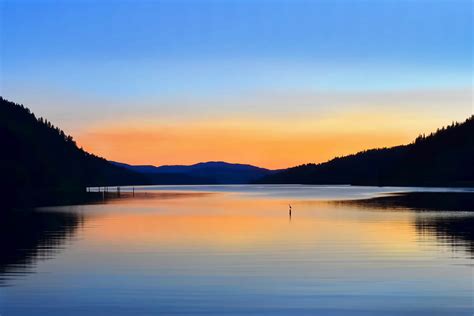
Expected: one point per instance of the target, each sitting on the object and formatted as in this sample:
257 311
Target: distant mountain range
212 172
39 160
443 158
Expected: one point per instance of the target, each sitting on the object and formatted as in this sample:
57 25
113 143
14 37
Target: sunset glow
274 144
236 157
274 84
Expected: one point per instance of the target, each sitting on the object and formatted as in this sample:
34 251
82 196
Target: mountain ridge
210 172
443 158
40 160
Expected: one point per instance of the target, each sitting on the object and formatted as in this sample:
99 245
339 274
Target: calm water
234 250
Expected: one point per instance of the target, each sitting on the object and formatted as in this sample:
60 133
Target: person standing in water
289 210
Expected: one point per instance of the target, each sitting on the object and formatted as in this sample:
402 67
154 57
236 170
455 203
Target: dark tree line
443 158
38 160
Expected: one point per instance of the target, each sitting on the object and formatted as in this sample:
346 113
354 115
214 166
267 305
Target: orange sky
276 143
269 83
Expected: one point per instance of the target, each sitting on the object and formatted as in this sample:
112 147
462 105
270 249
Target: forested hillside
38 160
443 158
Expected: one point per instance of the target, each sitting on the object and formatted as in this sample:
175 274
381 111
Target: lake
235 250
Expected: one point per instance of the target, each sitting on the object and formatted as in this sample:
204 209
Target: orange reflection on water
227 221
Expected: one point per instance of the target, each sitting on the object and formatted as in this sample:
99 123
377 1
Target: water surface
234 250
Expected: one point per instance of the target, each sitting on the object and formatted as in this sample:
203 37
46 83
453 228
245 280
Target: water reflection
420 201
458 231
27 236
449 216
220 253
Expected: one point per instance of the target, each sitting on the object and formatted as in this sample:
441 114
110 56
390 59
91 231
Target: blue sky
81 62
198 46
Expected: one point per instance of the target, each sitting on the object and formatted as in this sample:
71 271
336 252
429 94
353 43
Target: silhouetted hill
212 172
444 158
39 160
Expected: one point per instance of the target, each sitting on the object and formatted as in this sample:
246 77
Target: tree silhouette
443 158
39 160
